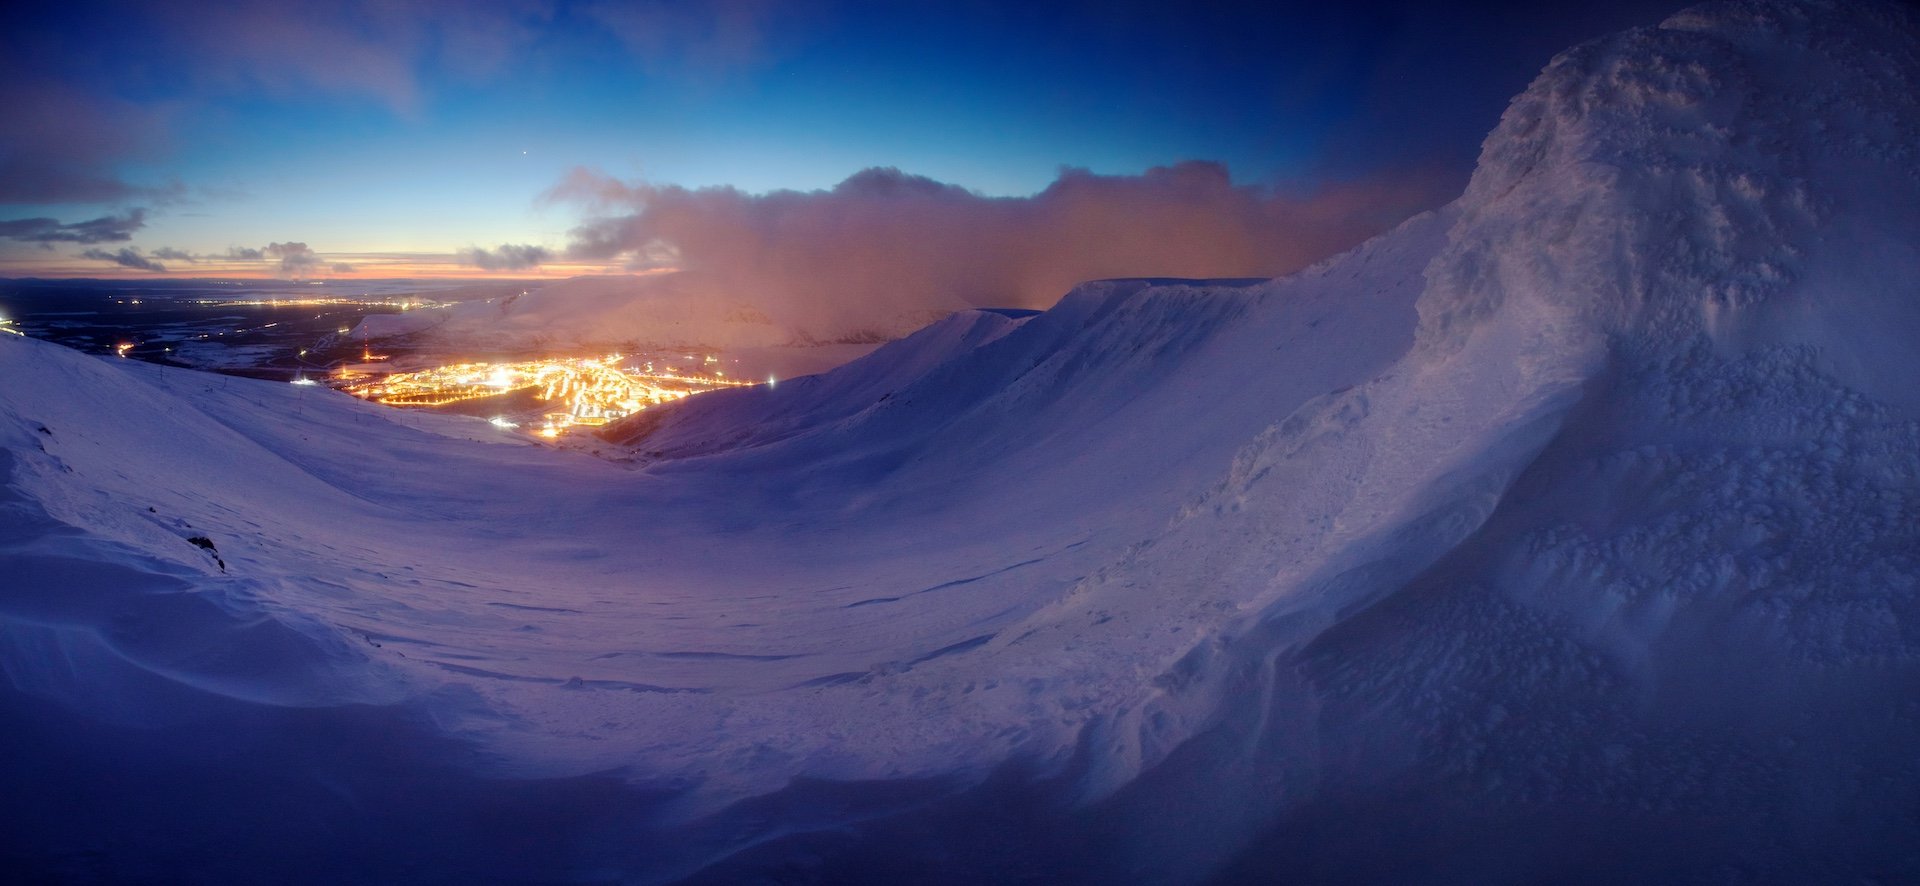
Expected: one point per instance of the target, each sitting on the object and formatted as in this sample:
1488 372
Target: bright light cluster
585 391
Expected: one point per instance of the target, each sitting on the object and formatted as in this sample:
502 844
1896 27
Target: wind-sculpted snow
1744 171
1565 533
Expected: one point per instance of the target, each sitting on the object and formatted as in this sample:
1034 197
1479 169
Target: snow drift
1565 533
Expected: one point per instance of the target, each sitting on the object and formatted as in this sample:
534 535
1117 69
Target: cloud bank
884 243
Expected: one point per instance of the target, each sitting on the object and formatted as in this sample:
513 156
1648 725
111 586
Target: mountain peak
1664 183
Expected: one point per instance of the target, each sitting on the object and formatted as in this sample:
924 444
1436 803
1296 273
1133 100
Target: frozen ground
1571 532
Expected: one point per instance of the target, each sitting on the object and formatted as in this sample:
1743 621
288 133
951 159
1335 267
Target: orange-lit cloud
883 242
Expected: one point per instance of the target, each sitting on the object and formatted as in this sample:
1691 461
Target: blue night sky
390 137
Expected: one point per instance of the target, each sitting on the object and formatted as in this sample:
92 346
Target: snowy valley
1570 532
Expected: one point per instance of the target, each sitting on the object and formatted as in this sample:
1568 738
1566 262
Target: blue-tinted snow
1566 533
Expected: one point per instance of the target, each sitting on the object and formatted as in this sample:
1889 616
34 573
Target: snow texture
1571 532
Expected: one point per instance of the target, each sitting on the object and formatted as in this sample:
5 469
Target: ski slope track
1570 532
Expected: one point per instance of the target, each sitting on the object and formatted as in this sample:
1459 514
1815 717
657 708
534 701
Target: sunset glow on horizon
350 140
861 442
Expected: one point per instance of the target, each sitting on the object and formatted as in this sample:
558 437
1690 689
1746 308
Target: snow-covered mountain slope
1566 533
747 416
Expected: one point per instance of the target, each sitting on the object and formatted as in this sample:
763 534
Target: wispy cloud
293 258
171 254
62 144
125 257
47 231
701 41
87 90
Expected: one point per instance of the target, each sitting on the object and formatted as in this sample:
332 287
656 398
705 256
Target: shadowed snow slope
742 417
1566 533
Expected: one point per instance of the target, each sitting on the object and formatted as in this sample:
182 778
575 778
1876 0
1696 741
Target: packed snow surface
1571 531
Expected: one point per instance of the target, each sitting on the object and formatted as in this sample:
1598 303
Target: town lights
583 391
